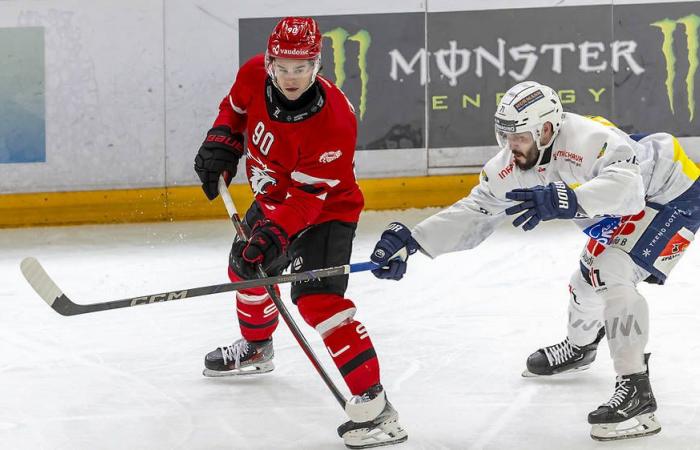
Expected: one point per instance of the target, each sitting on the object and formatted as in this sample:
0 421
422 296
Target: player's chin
524 164
292 94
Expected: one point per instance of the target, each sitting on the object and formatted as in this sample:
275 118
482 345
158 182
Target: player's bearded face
293 76
524 149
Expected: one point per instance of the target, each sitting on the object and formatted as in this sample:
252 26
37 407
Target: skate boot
630 411
373 421
240 358
563 357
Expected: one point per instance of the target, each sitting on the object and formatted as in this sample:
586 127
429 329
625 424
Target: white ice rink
452 338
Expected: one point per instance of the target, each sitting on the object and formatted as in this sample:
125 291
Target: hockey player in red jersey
301 132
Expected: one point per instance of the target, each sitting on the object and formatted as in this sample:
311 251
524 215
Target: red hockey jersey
302 172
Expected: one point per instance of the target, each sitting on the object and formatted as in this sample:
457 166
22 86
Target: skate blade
639 426
527 374
243 371
384 434
370 442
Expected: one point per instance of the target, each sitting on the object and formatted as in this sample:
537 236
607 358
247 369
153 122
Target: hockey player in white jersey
636 197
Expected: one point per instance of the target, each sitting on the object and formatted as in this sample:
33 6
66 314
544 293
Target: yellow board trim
189 202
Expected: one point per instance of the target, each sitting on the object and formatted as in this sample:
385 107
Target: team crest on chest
260 176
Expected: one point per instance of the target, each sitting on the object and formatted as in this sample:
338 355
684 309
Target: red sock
352 351
346 339
257 314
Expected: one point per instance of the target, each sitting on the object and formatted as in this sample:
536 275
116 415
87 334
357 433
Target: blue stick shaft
363 266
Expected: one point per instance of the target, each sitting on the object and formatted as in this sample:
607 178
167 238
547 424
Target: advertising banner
665 95
638 69
22 121
364 55
635 64
473 64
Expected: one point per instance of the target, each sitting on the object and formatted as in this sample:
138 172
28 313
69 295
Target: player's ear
547 130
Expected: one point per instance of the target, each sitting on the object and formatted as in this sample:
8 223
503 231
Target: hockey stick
49 291
298 335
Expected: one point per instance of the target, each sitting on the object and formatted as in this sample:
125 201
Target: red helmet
295 38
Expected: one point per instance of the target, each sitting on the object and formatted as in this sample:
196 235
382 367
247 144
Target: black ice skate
563 357
374 421
630 411
240 358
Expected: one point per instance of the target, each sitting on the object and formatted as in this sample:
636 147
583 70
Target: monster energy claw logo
691 23
338 36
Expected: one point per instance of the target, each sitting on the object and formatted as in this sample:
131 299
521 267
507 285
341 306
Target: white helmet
526 107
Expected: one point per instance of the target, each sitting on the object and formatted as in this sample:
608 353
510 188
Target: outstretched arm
462 226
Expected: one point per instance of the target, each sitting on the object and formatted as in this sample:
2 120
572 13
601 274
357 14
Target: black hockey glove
554 201
267 242
392 250
219 153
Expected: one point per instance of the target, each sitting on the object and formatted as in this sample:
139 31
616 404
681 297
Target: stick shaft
296 332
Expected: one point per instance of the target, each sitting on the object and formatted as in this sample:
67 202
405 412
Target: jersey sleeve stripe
301 177
236 108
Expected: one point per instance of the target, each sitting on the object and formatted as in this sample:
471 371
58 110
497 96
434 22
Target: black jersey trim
281 110
309 189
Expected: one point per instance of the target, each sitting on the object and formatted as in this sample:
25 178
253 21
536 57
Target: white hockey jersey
610 173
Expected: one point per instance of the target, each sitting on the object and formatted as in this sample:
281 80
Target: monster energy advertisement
636 65
640 74
665 96
354 57
476 56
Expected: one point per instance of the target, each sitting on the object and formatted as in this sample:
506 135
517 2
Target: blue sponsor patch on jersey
602 231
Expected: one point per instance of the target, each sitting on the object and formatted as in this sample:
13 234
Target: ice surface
452 338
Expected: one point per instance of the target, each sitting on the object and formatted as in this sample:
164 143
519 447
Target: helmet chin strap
542 148
539 157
